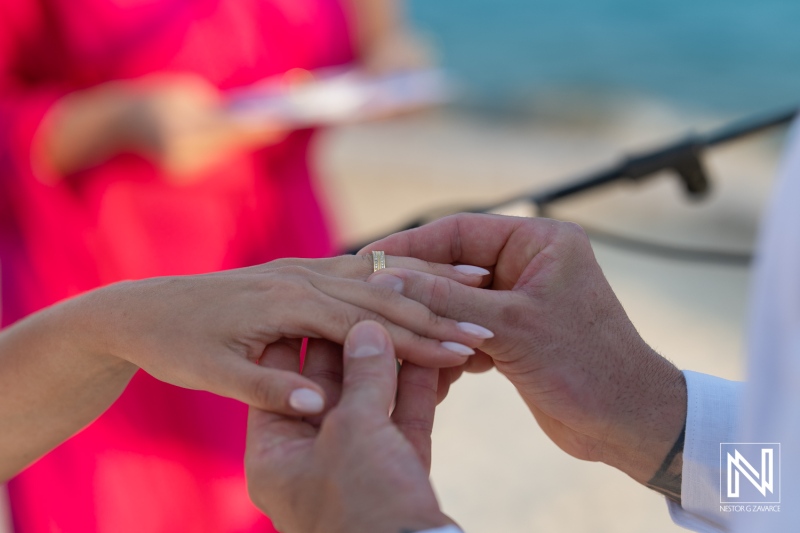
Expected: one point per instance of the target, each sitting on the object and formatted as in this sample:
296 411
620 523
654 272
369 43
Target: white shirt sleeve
711 419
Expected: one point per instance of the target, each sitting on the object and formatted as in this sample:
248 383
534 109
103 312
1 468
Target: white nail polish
306 401
470 270
460 349
475 330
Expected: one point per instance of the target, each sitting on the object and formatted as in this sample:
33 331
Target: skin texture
358 469
562 337
62 367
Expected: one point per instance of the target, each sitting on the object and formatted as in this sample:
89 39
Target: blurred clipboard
302 98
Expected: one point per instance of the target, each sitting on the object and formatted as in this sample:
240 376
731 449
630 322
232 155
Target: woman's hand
178 121
62 367
208 332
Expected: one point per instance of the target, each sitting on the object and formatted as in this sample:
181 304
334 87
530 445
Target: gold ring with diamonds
378 261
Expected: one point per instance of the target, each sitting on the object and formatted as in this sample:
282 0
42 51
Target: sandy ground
494 470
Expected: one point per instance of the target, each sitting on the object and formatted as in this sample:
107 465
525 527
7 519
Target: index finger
470 238
416 405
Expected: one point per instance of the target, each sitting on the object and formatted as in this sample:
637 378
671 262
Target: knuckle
342 423
460 218
417 340
456 246
384 293
366 258
356 315
436 321
329 375
343 266
416 424
574 232
290 281
293 270
281 263
439 296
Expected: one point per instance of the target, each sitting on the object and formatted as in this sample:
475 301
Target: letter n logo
748 472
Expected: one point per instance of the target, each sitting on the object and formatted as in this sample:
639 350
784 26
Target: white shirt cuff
711 415
445 529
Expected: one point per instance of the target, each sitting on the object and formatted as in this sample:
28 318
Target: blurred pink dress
161 460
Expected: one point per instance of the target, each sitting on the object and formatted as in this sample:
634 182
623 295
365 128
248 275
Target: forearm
55 378
84 128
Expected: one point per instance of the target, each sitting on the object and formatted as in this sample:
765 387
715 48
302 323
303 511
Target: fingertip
306 401
366 339
470 270
458 348
474 330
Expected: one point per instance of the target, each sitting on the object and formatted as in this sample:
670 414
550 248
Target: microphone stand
682 157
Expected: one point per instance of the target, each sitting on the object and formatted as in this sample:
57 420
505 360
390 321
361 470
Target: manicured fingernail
306 401
475 330
388 280
460 349
470 270
366 340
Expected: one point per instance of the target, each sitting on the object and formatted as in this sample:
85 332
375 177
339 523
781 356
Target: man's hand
360 469
562 337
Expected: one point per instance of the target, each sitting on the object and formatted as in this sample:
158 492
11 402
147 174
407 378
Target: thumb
370 372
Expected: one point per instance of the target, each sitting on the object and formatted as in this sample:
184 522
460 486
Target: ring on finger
378 261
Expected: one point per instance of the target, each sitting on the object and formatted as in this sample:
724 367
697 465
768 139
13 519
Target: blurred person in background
119 160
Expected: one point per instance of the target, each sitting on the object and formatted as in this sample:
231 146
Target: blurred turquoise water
730 56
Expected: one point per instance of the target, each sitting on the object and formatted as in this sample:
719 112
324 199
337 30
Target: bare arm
55 379
383 40
372 20
62 367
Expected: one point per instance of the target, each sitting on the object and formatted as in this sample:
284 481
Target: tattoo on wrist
667 480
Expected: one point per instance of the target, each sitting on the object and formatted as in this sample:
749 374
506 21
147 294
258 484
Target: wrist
651 420
93 323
